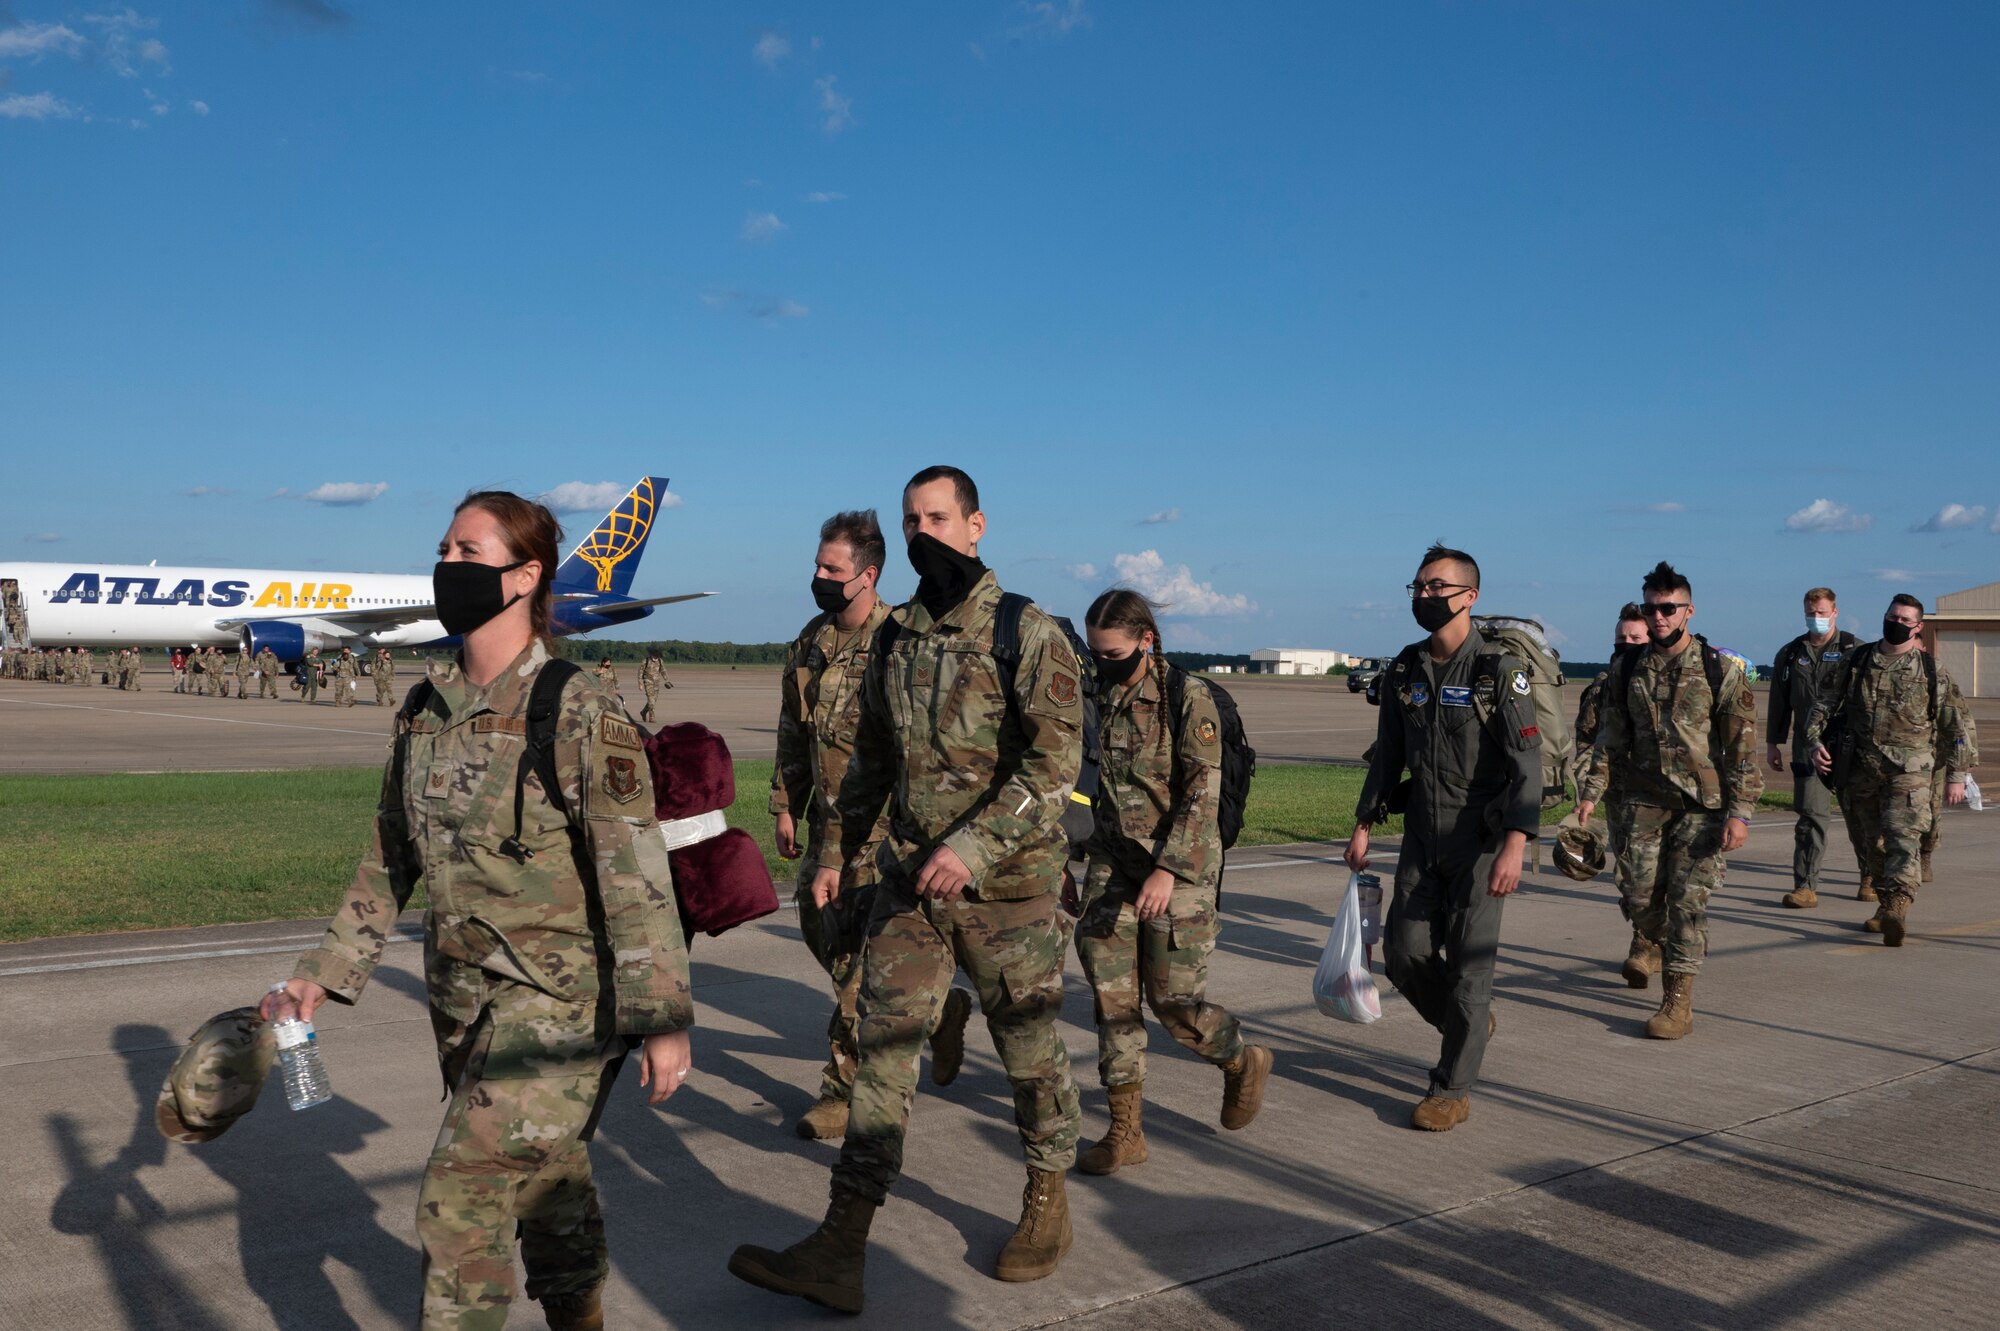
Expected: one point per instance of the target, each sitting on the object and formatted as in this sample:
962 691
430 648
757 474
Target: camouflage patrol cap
217 1078
1578 852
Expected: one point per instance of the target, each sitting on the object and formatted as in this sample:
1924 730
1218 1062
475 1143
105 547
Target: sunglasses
1662 609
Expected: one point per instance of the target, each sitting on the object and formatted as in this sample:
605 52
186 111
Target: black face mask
1669 642
944 576
1113 671
1895 632
830 595
1432 612
467 594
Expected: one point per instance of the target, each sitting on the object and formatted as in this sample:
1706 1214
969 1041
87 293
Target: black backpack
1239 760
1835 738
1079 820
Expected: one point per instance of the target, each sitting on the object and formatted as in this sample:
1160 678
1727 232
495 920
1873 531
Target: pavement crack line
1728 1130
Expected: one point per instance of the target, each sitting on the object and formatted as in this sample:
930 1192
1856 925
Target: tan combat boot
1440 1113
1125 1142
825 1266
948 1040
1802 898
1873 924
1243 1079
578 1312
825 1121
1895 910
1676 1015
1642 963
1043 1235
1866 892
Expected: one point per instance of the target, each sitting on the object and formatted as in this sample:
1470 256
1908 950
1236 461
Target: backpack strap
538 755
1007 639
1176 699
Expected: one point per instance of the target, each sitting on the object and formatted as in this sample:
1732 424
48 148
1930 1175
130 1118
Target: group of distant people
77 666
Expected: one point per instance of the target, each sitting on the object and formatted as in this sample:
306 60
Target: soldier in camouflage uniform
383 672
1899 710
309 677
1148 914
552 941
1457 713
977 779
86 668
268 668
1687 750
242 673
1809 665
346 670
1642 958
819 714
218 672
653 678
607 677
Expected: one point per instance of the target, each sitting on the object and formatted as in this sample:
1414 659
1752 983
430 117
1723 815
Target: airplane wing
355 621
620 607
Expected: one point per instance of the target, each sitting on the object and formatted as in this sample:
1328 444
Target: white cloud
780 309
771 48
199 108
32 41
35 106
825 196
121 45
761 227
1823 515
1081 572
340 494
158 107
1174 586
837 109
207 491
1164 515
1952 517
1049 19
582 496
42 537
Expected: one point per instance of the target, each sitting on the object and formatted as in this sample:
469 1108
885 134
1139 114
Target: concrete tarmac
55 728
1817 1154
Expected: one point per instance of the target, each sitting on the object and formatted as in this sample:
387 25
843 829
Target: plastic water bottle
306 1082
1972 799
1370 888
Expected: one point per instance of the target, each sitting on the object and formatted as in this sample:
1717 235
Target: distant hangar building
1296 661
1965 634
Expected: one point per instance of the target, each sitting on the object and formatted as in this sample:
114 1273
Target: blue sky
1241 304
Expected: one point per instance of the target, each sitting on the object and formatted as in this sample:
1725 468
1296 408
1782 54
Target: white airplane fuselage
141 605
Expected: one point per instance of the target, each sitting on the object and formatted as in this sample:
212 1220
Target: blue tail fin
605 560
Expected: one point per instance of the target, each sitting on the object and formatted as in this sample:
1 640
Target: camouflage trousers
1935 832
834 937
1440 941
267 684
383 688
1669 862
1012 951
1890 814
652 697
510 1161
343 692
1166 960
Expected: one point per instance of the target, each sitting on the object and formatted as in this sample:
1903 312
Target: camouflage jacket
819 716
242 665
1166 798
345 667
1674 742
447 806
384 669
1886 710
653 674
957 762
1589 716
607 678
267 661
1798 677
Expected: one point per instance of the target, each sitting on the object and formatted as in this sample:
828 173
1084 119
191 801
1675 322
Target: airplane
292 612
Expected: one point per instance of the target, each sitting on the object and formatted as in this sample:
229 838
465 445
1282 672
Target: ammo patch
1062 689
621 779
619 733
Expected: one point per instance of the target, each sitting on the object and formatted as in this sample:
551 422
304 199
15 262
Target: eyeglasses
1435 587
1662 609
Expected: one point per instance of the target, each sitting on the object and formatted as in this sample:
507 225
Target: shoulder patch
619 733
1206 731
621 778
1521 682
1062 688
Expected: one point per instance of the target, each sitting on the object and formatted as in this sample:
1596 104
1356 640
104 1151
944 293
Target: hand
307 995
1584 808
826 887
1822 761
787 837
1156 894
944 875
1954 792
664 1061
1775 758
1356 854
1734 833
1505 875
1072 900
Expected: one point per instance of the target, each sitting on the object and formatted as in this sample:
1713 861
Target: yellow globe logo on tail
621 532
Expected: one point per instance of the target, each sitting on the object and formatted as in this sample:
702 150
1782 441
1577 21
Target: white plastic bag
1973 800
1342 986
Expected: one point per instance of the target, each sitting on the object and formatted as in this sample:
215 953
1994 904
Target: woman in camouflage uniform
552 944
1148 917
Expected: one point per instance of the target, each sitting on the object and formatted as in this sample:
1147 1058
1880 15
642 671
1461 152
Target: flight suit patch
621 779
1420 694
1062 689
1521 682
1455 695
619 733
